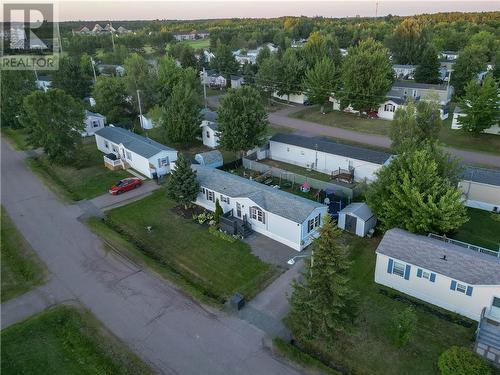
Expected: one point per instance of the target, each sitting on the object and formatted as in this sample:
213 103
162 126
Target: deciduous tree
470 62
224 61
480 106
140 75
54 120
408 41
110 94
70 78
15 85
367 76
323 303
320 82
290 74
427 70
182 186
242 120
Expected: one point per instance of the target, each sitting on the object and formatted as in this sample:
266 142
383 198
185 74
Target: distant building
212 78
93 122
236 81
97 29
191 35
404 71
43 83
209 133
481 188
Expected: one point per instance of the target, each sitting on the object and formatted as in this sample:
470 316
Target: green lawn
216 267
21 268
343 120
17 137
454 138
369 349
65 341
297 169
87 178
480 230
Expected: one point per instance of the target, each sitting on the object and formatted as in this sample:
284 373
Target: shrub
224 236
461 361
218 211
404 324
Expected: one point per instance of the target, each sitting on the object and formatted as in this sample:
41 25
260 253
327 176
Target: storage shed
212 159
357 218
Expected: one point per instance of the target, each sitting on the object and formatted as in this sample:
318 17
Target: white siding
93 124
209 136
293 98
276 227
437 293
321 161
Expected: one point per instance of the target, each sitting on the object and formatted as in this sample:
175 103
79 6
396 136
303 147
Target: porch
114 162
234 225
488 336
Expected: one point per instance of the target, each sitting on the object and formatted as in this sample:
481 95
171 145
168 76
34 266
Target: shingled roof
278 202
134 142
461 263
331 147
481 175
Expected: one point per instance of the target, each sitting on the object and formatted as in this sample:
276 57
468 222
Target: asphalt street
165 327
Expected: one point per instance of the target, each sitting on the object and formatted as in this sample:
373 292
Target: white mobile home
209 133
284 217
452 277
327 156
481 188
93 122
357 218
124 149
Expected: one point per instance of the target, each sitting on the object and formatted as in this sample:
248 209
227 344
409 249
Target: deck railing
479 249
112 162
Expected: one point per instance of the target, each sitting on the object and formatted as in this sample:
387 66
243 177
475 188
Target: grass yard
343 120
369 349
216 267
20 267
297 169
481 230
65 341
17 138
87 178
454 138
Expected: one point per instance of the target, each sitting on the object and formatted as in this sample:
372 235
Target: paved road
166 328
281 119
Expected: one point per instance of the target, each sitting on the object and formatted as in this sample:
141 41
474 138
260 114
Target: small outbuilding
357 218
212 159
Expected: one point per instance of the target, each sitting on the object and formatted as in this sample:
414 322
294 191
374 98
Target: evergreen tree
480 106
218 211
182 185
54 120
181 116
367 76
415 193
428 69
242 120
224 61
320 82
323 304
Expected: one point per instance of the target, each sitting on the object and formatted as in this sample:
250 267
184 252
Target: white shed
357 218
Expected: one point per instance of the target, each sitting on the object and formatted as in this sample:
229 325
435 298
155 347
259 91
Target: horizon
79 11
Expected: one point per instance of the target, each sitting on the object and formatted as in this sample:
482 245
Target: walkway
167 329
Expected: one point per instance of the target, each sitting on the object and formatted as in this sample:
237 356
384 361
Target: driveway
269 250
166 328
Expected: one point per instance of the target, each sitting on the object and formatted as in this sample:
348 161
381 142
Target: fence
294 178
466 245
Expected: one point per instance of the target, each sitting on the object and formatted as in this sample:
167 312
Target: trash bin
237 301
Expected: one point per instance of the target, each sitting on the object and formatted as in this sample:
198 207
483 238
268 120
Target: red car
124 185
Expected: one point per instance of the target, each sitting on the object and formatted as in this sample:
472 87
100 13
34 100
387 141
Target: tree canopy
54 120
470 62
408 42
413 193
321 82
242 120
15 85
182 185
427 70
70 78
110 94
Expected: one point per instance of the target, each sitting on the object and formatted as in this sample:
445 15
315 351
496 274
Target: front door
495 309
350 223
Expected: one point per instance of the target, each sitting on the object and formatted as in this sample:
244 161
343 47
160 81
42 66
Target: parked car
124 185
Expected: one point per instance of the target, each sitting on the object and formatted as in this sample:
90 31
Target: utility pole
204 88
140 109
376 9
92 62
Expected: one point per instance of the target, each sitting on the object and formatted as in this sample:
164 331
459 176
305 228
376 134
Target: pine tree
428 69
480 106
218 211
416 192
182 186
323 303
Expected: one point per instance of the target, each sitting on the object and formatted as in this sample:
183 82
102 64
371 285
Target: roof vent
443 257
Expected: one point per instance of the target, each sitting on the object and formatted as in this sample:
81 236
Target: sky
70 10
